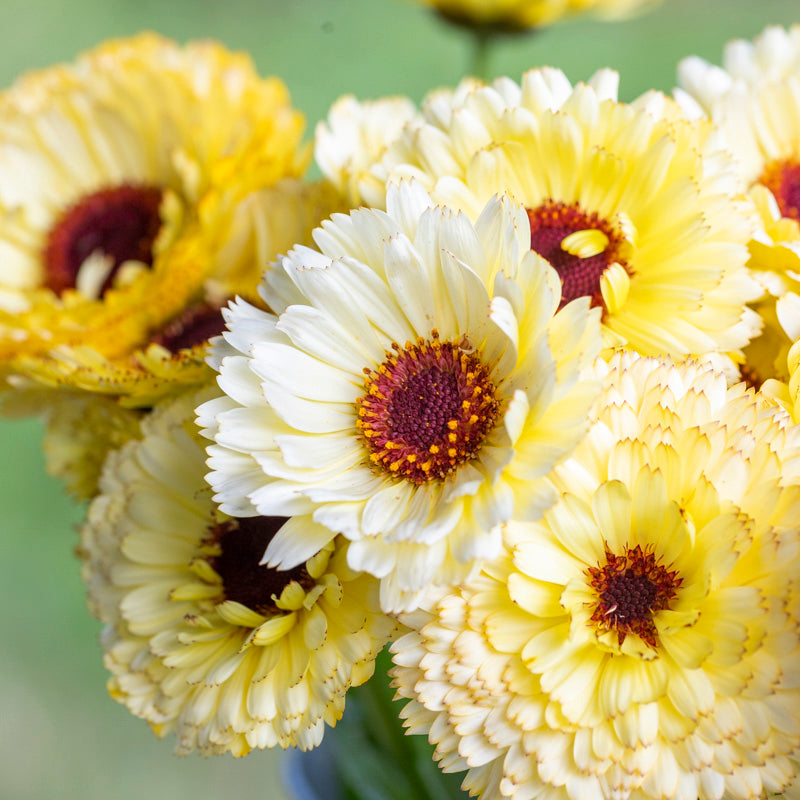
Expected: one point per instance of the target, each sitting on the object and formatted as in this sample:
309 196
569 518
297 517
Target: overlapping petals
397 400
753 100
199 638
641 640
112 170
634 205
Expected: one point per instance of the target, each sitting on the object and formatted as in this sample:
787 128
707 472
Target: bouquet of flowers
506 403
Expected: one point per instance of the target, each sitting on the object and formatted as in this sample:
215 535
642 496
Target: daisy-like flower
515 15
642 639
631 203
355 136
242 227
754 101
202 639
397 400
106 166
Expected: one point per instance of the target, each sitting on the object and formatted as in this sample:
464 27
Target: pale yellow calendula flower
641 640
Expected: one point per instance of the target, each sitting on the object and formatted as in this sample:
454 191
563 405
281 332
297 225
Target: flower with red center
201 638
782 178
635 206
121 180
579 246
753 101
642 638
397 400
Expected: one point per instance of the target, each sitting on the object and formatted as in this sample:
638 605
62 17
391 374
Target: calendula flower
242 227
642 639
200 638
107 167
397 400
754 101
514 15
354 136
633 204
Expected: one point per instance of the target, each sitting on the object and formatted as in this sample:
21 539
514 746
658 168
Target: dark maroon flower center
243 541
426 409
120 223
782 178
551 223
630 589
196 325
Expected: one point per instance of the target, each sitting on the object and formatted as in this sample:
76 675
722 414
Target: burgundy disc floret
426 409
121 223
782 178
195 325
245 580
630 589
551 223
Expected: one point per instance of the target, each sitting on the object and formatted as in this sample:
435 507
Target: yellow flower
354 136
513 15
633 204
395 397
642 639
200 638
109 171
241 230
754 103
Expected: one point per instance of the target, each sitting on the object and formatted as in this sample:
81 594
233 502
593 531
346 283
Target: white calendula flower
201 638
642 640
634 205
411 391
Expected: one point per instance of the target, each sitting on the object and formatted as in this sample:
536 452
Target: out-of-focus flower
754 101
115 172
200 638
633 204
355 136
397 400
641 640
515 15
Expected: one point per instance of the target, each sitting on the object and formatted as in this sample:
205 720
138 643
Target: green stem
481 46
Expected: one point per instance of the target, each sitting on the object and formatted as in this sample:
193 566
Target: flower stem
481 46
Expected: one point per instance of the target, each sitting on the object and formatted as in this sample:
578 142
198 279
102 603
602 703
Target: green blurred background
60 735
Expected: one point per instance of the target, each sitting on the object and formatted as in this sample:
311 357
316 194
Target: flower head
515 15
640 640
394 397
634 205
200 637
109 170
754 103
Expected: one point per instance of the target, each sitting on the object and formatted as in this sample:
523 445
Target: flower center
195 325
426 409
630 589
578 245
243 541
118 225
782 178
